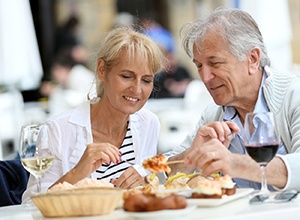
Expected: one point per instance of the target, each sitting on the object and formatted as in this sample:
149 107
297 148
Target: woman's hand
93 157
129 179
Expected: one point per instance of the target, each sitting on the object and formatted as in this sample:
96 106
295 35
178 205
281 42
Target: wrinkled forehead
211 41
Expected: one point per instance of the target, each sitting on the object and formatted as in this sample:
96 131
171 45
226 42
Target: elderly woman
97 138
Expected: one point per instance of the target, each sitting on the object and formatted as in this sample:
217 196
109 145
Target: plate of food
143 204
211 202
162 214
200 190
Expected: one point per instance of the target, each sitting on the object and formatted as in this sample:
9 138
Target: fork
129 162
284 196
170 162
230 137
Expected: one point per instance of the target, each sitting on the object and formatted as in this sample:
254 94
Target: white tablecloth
238 209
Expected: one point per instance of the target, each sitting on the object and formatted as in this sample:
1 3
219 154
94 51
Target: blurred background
48 47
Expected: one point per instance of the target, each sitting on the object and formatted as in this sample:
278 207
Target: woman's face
127 85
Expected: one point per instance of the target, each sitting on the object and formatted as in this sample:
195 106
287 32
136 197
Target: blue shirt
237 144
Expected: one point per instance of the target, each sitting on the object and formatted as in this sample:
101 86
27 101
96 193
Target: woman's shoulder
144 115
79 113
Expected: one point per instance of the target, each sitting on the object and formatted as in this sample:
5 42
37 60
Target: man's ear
254 60
100 69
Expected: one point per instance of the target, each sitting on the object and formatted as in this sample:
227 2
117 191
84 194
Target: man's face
224 76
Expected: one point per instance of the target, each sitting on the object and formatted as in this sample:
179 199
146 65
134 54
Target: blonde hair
134 44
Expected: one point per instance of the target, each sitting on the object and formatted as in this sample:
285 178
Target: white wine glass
261 139
34 152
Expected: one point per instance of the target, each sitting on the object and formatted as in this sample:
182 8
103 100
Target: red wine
262 153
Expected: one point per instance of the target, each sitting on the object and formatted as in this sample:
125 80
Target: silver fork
129 162
231 136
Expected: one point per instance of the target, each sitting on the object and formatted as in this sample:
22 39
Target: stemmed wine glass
261 139
34 153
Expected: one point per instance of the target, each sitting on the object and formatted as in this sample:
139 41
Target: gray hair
235 26
134 44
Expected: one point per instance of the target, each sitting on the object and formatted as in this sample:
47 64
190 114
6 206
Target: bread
151 182
142 202
177 181
207 189
193 181
84 183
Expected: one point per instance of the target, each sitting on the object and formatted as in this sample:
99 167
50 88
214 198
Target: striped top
113 171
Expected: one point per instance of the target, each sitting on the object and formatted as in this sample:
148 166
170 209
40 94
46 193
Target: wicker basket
78 202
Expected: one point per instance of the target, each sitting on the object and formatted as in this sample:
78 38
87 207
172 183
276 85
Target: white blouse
70 132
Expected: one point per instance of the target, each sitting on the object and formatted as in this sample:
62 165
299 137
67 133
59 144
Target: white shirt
70 133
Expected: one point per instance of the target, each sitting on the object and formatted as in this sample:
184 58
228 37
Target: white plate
175 213
225 199
184 192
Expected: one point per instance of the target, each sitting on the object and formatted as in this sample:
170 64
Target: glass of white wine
34 152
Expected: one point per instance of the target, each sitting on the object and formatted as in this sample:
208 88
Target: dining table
239 208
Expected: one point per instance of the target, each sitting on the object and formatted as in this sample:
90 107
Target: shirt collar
230 112
81 115
261 104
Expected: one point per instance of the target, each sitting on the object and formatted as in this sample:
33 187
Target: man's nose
206 74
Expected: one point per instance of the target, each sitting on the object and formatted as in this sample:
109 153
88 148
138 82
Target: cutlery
131 163
170 162
285 196
230 137
258 199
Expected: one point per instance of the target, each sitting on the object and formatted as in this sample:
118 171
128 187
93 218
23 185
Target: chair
175 125
11 118
196 96
13 182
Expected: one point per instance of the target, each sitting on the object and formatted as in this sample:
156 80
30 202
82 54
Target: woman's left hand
129 179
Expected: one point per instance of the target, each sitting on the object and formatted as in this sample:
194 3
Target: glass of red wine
261 139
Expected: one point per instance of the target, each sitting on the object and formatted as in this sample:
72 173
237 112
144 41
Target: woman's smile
132 99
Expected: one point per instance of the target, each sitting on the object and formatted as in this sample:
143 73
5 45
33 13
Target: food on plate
207 189
156 164
142 202
216 181
193 181
178 181
85 183
227 185
151 182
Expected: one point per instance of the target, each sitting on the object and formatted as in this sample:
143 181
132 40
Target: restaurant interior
29 48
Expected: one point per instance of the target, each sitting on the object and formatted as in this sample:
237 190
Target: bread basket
78 202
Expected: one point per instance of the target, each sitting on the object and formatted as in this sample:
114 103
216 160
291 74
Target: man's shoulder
212 112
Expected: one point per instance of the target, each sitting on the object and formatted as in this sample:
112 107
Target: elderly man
229 53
